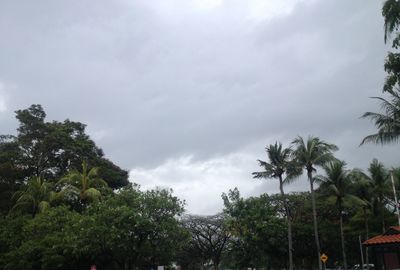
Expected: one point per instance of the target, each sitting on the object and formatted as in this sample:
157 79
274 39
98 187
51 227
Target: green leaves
35 198
387 120
129 228
86 183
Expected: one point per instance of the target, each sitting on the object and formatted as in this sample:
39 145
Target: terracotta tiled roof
392 235
383 239
397 228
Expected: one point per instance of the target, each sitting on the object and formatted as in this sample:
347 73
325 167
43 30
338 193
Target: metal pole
361 251
395 197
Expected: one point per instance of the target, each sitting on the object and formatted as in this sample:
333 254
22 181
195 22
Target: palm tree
391 14
335 187
35 198
311 153
362 188
379 176
85 184
280 163
388 122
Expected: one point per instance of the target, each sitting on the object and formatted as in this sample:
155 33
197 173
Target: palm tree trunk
315 220
342 238
285 203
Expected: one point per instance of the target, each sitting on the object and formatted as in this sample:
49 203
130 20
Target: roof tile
383 239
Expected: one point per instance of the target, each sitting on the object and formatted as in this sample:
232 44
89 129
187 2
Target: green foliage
51 149
387 121
259 234
279 163
86 184
35 197
128 229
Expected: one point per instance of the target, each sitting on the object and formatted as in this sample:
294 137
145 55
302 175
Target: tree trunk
315 220
366 235
382 214
342 238
216 264
285 203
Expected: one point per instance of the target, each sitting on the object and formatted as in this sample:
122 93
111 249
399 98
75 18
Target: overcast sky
187 93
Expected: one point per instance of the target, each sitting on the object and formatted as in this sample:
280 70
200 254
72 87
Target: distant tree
335 186
379 176
281 166
362 188
259 232
11 175
209 237
309 154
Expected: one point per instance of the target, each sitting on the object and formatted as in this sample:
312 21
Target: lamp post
395 197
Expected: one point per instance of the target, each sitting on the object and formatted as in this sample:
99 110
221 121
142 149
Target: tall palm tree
85 184
35 197
279 164
309 154
388 121
379 177
335 186
362 188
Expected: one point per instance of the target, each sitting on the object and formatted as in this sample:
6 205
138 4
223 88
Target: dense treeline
64 206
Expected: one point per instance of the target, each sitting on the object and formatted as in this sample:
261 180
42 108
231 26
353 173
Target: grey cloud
156 82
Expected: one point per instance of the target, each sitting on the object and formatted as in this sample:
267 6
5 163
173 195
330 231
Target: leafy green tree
51 149
11 175
258 231
44 242
336 185
309 154
280 164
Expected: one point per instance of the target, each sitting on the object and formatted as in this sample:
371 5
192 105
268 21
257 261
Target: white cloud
3 97
201 183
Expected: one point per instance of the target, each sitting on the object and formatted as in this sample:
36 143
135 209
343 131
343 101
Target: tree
208 236
280 163
335 187
11 176
378 176
362 188
311 153
35 198
258 231
388 121
51 149
85 184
